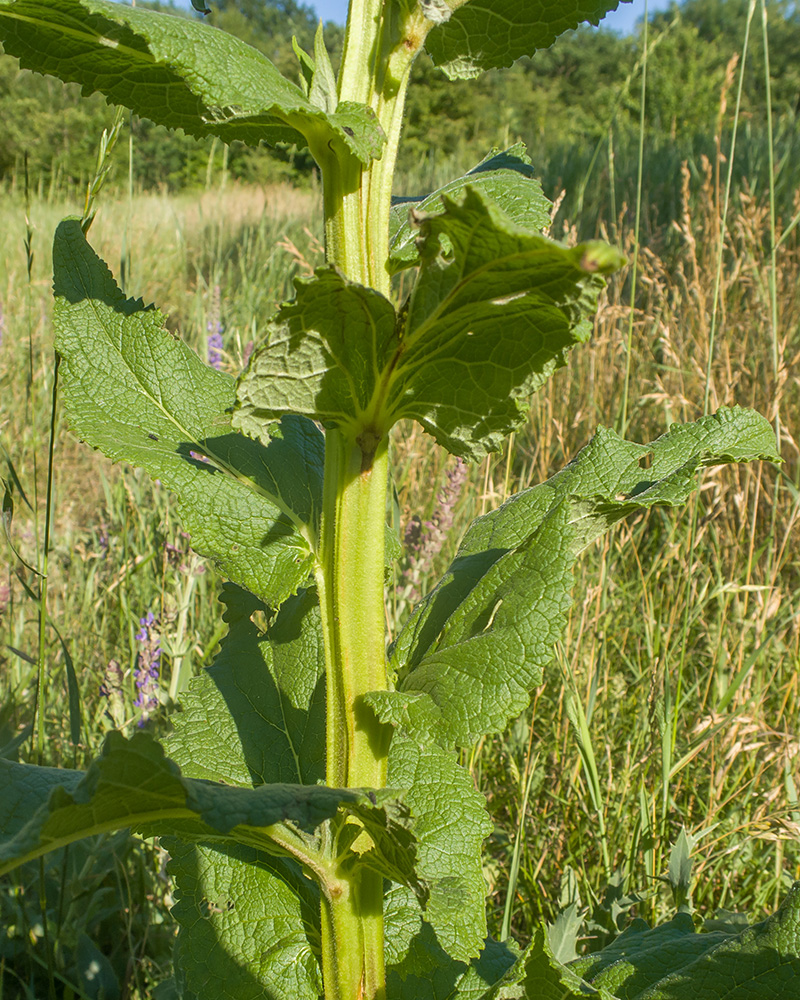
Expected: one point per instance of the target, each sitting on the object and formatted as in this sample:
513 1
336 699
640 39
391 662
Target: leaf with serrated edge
483 329
179 73
487 34
416 965
492 651
500 607
138 394
506 178
449 820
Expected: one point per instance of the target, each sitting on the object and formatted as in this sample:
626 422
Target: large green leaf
486 324
258 715
641 956
505 178
179 73
132 784
486 34
139 394
479 642
759 962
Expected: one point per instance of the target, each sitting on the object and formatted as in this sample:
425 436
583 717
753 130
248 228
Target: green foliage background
565 99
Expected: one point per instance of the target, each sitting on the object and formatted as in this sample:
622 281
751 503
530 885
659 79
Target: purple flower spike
148 667
214 328
214 342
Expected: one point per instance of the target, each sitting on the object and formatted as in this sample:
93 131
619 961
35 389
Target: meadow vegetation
678 688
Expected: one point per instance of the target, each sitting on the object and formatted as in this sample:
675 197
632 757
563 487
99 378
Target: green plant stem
352 960
357 198
380 46
350 583
353 538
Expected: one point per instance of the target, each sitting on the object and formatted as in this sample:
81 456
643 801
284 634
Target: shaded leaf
253 717
544 978
416 965
258 715
134 391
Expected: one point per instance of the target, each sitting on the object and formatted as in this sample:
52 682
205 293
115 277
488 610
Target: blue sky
622 20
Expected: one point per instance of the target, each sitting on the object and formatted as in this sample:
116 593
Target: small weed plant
324 834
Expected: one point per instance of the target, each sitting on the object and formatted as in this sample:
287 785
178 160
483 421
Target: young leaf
134 391
487 34
505 178
500 607
307 65
489 323
483 329
179 73
323 357
322 92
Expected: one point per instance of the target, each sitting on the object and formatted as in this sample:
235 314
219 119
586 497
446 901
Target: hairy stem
380 46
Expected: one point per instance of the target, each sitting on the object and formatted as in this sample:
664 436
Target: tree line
568 97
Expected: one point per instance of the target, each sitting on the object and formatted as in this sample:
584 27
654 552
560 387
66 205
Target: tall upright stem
378 52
